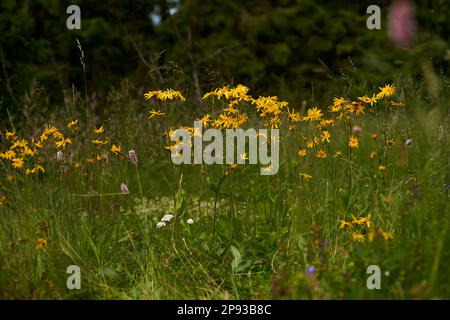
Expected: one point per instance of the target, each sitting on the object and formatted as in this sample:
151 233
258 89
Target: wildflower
305 176
41 243
124 188
2 200
338 154
63 142
344 224
19 144
59 155
313 114
381 167
387 235
408 142
353 142
155 113
373 136
232 166
321 154
133 157
99 130
302 153
386 91
390 142
72 124
115 149
160 224
8 155
10 178
90 160
369 100
372 154
205 120
358 237
10 135
38 167
326 136
167 217
17 163
357 130
310 271
190 221
97 142
77 165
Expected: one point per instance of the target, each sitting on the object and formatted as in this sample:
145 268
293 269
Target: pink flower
402 23
124 188
133 156
357 130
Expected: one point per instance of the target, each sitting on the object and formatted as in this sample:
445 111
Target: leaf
237 259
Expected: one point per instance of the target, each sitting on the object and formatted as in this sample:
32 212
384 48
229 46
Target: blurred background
298 48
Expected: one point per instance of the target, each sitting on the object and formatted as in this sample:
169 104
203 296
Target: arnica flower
115 149
310 271
41 243
124 188
353 142
133 157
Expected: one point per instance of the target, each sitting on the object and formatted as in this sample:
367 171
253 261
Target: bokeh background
300 48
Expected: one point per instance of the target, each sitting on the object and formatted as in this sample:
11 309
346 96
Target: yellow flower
2 200
205 120
72 124
321 154
17 163
338 154
305 176
372 154
90 160
164 95
10 178
387 235
97 142
155 113
373 136
381 167
344 224
358 237
116 149
19 144
41 243
386 91
366 99
353 142
63 142
313 114
232 166
326 136
40 168
8 155
99 130
10 135
302 153
390 142
77 165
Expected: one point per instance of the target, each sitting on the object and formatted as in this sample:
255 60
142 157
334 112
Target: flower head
133 157
124 188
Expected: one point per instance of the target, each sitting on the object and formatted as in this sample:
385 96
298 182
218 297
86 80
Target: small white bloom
190 221
167 218
160 224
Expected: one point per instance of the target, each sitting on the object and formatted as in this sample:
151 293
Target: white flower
160 224
190 221
167 218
